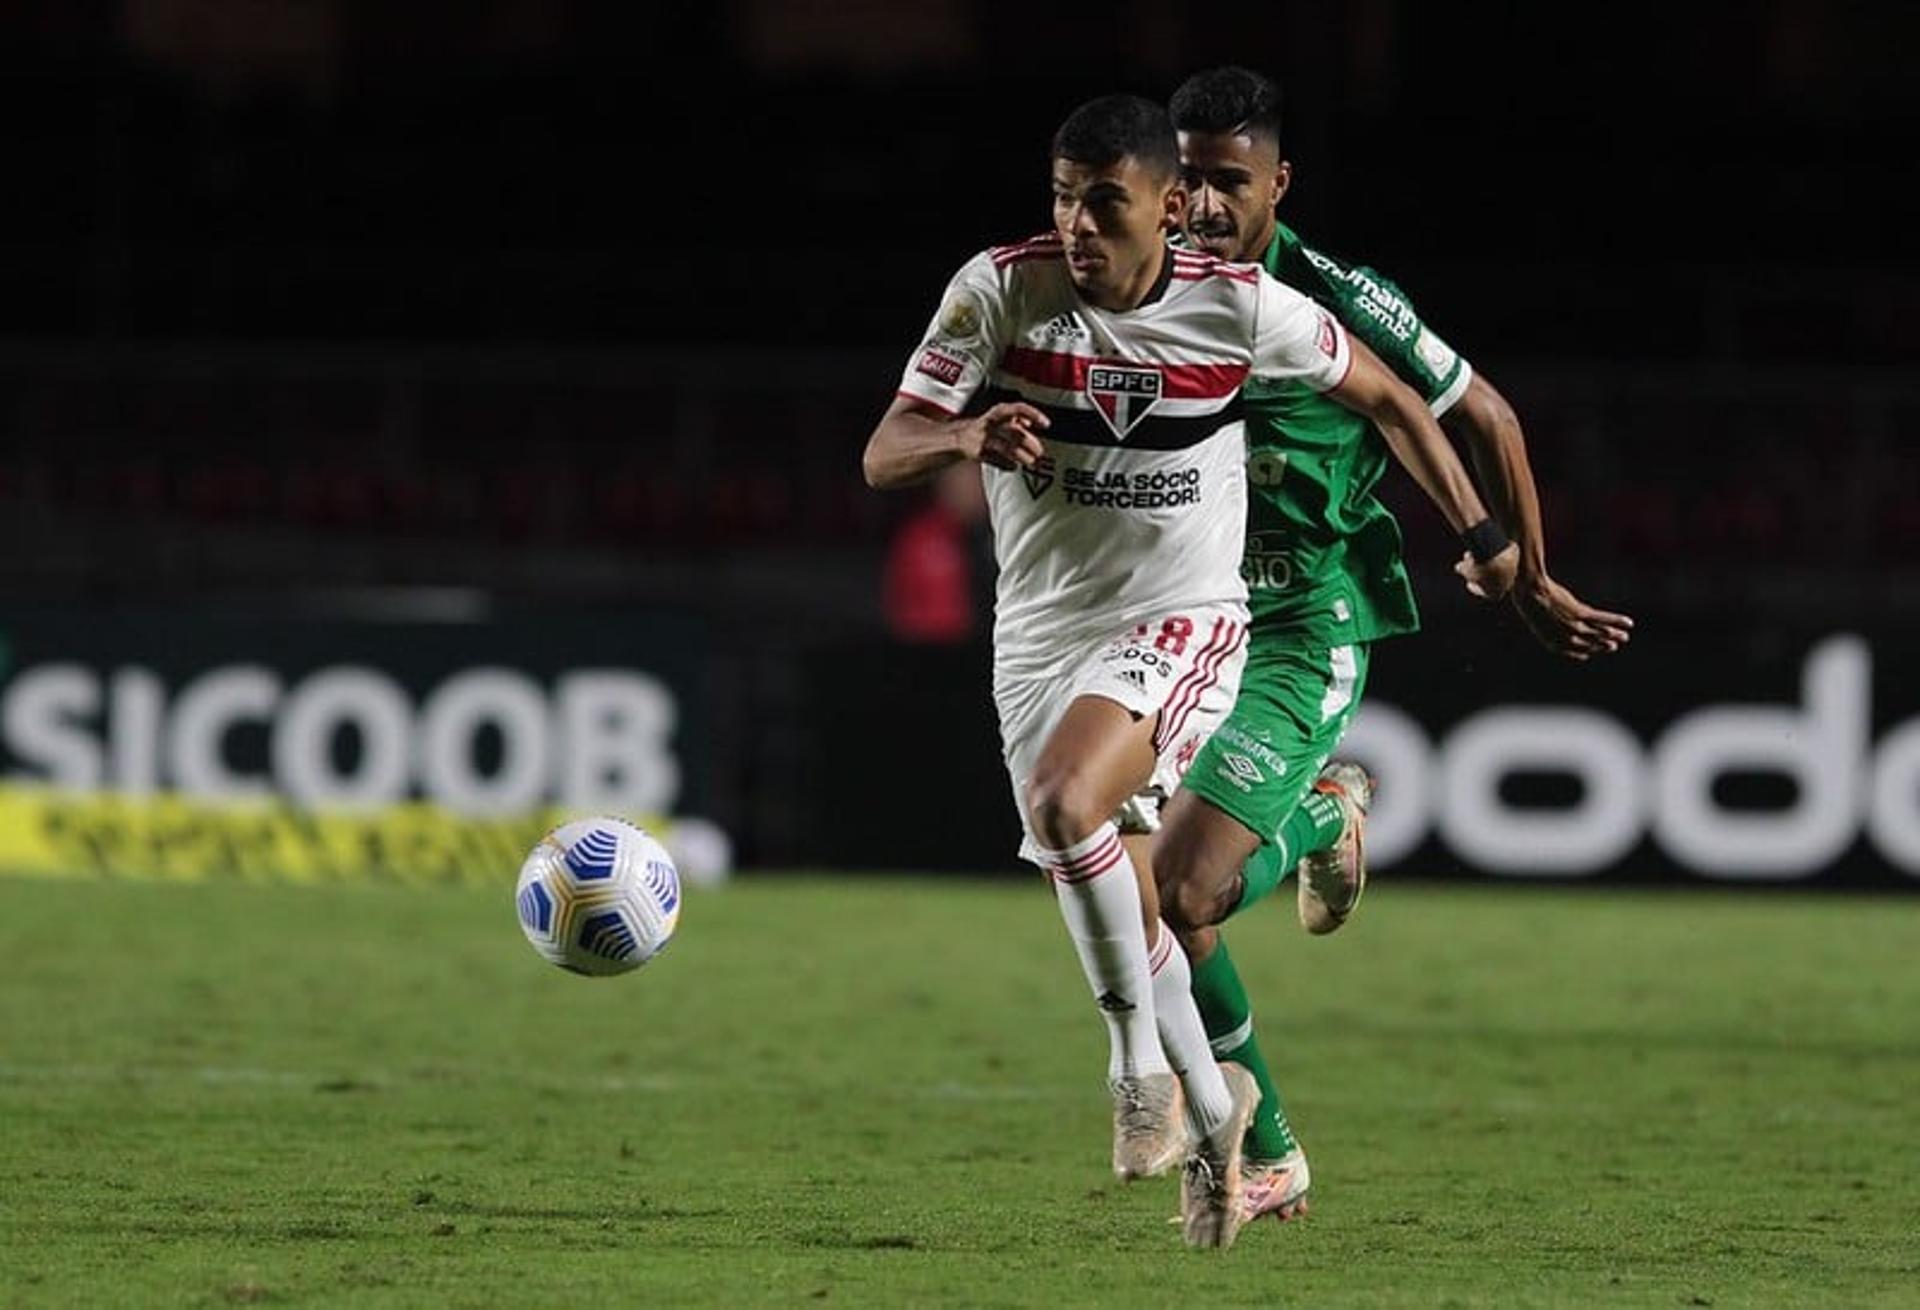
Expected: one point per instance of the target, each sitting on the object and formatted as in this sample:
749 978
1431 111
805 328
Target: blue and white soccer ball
598 896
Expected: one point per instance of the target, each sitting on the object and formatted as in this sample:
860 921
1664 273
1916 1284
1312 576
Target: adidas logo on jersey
1064 327
1135 676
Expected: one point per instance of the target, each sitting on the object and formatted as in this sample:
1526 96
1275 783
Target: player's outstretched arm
1415 438
914 440
1561 621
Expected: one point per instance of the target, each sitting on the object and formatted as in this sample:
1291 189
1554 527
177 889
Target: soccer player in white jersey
1096 372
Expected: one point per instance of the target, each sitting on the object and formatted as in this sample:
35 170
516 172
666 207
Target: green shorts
1294 706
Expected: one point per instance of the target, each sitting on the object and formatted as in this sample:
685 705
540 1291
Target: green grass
889 1092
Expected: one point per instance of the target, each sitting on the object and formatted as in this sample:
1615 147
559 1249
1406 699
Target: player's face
1114 223
1233 183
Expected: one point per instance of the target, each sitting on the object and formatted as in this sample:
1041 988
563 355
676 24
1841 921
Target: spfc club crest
1123 394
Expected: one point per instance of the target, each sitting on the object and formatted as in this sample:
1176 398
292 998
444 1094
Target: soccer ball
598 896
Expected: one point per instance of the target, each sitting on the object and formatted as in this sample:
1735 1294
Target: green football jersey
1323 554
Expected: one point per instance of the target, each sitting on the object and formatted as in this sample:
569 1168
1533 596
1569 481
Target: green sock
1228 1017
1314 825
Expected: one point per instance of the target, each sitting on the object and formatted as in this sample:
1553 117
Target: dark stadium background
544 336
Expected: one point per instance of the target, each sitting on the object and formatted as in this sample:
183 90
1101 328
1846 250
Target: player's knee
1063 808
1188 908
1190 904
1198 943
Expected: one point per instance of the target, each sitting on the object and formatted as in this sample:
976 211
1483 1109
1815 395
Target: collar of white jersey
1155 293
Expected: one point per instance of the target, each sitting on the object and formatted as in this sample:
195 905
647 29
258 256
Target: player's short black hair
1107 130
1230 99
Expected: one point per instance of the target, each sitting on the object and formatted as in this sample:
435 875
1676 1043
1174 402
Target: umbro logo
1243 768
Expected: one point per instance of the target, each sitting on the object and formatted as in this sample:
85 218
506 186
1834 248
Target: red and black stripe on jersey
1064 372
1185 265
1085 427
1046 245
1204 397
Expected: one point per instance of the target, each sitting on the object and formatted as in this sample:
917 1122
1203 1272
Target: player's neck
1256 251
1141 287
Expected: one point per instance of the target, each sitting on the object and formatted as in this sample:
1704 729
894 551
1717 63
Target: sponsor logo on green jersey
1376 299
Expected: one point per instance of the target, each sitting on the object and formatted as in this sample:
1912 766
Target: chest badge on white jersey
1124 394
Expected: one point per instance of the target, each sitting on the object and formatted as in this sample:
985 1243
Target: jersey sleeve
1379 313
1295 339
958 351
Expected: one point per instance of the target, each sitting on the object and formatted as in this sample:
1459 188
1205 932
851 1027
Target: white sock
1209 1103
1094 882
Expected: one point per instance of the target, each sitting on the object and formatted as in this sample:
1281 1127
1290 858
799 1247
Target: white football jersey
1140 505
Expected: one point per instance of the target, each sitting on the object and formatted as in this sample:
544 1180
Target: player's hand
1006 436
1492 579
1567 625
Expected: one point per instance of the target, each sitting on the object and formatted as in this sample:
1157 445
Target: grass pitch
889 1092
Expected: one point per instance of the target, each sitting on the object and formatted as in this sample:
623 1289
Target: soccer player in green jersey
1326 580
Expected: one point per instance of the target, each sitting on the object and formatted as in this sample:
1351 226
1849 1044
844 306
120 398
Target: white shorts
1184 669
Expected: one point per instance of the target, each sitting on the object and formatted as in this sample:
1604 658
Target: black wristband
1485 540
